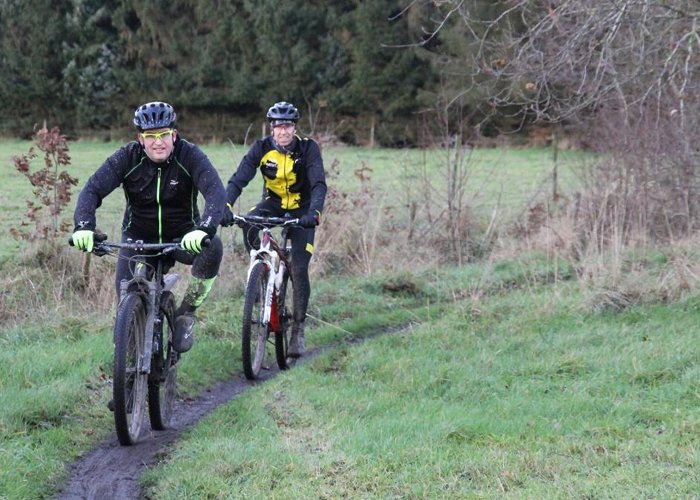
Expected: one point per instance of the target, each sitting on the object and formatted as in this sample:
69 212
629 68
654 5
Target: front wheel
162 383
254 333
129 385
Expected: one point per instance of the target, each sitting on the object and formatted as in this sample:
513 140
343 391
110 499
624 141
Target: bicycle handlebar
266 221
101 244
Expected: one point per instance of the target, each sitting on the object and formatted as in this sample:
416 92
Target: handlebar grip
97 238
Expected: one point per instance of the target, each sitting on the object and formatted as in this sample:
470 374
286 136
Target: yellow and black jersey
293 177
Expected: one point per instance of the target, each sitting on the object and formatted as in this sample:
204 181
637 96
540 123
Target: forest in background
619 78
362 73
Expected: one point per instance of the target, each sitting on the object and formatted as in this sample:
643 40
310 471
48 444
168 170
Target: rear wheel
129 386
282 336
254 333
162 383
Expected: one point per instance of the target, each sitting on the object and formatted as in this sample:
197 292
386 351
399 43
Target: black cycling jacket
161 198
294 179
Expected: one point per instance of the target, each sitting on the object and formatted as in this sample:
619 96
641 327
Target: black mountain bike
267 294
145 364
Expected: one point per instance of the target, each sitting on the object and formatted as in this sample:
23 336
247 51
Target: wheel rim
254 333
169 392
135 387
261 341
162 383
261 333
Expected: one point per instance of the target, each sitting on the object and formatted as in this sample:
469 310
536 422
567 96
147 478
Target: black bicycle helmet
282 112
154 115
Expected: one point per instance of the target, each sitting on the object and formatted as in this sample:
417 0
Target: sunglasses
149 136
283 124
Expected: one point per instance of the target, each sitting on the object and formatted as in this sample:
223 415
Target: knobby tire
162 382
254 334
129 386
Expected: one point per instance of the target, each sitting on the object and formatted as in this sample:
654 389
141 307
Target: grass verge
530 398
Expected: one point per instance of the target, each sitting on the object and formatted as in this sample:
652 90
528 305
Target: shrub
51 188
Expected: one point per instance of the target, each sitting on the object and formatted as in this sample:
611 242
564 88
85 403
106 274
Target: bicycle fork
270 314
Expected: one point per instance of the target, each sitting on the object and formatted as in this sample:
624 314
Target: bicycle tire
162 384
254 334
282 336
129 386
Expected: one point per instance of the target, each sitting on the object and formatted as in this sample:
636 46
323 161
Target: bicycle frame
151 288
145 365
275 260
264 310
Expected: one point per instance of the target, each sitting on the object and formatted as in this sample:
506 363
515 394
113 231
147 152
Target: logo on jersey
270 168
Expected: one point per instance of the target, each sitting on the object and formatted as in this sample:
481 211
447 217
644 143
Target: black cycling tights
302 248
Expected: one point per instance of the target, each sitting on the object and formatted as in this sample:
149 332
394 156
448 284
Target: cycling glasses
275 123
150 136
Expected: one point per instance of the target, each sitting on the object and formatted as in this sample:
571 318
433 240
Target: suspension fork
269 260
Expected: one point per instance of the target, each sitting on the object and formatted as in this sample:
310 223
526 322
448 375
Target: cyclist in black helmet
161 175
295 184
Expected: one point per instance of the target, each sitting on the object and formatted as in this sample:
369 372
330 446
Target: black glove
308 220
227 219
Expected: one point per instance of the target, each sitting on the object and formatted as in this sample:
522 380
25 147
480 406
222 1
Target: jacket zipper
286 181
160 212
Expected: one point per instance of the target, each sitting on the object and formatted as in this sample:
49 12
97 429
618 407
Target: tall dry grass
606 230
49 278
368 230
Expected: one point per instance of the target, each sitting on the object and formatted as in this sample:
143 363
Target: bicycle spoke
162 386
254 333
129 384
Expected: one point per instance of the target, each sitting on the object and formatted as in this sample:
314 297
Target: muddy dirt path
113 471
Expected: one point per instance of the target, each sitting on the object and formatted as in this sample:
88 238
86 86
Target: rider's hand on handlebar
227 219
193 241
309 220
84 240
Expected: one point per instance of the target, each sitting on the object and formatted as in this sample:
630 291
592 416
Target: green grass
518 392
503 177
494 381
529 399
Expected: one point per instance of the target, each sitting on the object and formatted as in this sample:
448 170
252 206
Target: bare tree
560 58
627 71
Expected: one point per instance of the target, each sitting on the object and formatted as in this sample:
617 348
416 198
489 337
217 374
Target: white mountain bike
267 295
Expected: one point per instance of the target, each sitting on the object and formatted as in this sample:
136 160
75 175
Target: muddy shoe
297 347
183 336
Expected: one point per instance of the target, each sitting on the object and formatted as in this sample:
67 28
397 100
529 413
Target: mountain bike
265 309
145 364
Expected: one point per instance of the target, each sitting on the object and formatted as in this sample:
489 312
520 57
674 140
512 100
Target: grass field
500 380
530 398
505 177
